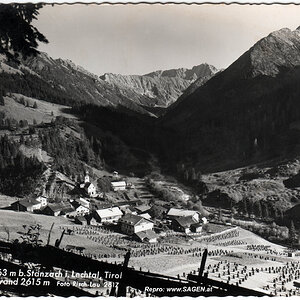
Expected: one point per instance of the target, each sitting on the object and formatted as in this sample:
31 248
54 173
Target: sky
138 39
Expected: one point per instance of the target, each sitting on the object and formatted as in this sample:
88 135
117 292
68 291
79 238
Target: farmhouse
43 200
91 220
81 207
58 209
183 224
142 208
131 224
111 214
81 220
204 220
118 186
86 220
147 236
158 211
127 209
26 205
197 227
175 212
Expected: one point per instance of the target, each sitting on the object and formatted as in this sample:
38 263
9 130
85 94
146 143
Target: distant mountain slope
162 87
89 87
192 88
63 82
244 113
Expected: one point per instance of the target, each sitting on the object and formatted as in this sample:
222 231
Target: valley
150 173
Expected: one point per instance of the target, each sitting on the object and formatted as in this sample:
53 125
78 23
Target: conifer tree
292 233
17 34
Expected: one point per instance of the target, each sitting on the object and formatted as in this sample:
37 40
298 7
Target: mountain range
162 87
232 134
77 85
222 119
244 114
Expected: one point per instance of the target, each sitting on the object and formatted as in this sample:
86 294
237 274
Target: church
88 186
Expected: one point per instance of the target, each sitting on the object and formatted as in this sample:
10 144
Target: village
144 220
163 237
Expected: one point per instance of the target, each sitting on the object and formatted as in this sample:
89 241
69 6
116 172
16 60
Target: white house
204 220
43 200
111 214
118 186
82 210
82 207
175 212
131 224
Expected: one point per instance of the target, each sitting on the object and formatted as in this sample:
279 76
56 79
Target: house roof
185 221
62 206
146 216
77 203
128 210
142 208
150 234
181 212
109 212
81 218
118 183
133 219
28 203
40 198
87 185
196 225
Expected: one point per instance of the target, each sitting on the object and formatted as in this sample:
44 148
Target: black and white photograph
149 150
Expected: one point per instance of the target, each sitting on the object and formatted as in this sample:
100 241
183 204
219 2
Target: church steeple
86 177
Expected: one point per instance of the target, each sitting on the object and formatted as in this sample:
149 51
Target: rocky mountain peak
279 50
163 87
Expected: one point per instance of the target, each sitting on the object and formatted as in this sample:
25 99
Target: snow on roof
109 212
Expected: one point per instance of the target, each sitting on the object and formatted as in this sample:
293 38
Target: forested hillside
18 174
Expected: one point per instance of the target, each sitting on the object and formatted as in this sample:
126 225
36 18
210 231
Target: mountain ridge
163 86
243 113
